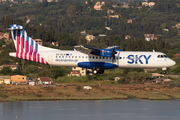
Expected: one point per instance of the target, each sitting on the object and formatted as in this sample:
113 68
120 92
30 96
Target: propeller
113 55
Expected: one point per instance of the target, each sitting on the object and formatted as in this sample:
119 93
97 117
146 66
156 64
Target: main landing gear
96 71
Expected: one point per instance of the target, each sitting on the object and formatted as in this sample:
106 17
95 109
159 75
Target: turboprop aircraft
82 56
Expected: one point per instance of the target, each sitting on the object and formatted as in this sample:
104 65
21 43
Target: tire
101 71
95 72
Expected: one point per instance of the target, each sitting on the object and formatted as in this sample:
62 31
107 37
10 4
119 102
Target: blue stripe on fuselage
92 65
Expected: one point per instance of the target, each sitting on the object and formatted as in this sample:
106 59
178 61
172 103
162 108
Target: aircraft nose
172 62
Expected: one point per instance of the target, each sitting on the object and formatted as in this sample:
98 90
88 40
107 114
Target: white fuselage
123 59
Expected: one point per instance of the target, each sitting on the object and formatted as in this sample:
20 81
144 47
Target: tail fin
26 47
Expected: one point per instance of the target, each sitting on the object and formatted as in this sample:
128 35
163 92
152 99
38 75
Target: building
39 41
12 66
18 79
1 81
177 55
108 28
102 35
78 71
83 32
55 44
157 75
149 37
110 11
145 4
32 83
5 79
97 6
159 80
89 38
5 36
166 30
44 81
114 5
127 37
75 73
129 21
125 5
114 16
118 78
151 4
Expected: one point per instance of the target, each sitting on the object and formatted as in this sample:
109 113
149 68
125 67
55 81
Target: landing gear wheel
101 71
95 71
165 72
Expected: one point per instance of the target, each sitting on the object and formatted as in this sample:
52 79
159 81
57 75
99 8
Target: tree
57 72
6 71
71 10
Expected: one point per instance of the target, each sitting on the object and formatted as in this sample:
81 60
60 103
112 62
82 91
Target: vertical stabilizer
26 47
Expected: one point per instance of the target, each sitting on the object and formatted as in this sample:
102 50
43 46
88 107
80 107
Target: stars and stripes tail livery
26 47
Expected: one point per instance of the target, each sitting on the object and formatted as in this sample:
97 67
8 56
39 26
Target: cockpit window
162 56
165 56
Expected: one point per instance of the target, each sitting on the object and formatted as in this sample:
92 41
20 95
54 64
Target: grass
102 92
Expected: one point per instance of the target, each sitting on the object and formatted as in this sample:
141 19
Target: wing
87 50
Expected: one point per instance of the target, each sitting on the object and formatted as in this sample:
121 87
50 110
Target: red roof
44 79
9 65
177 55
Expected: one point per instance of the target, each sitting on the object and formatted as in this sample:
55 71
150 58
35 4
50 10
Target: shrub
72 79
173 84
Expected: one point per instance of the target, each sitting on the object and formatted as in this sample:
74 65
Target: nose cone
172 62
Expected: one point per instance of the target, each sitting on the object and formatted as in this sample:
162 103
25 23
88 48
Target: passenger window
93 57
82 56
86 57
89 56
62 56
96 57
79 56
69 56
56 56
99 57
75 56
106 57
120 58
72 56
103 57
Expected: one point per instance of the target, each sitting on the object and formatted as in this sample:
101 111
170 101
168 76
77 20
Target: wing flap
85 49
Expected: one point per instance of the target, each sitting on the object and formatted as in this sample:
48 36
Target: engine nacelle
104 52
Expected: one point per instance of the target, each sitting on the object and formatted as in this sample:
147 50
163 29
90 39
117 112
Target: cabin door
50 59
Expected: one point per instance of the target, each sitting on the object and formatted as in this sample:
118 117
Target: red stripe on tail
22 45
30 52
34 55
42 60
26 49
38 58
17 45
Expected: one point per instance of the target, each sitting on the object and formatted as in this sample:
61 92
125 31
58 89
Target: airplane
83 56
